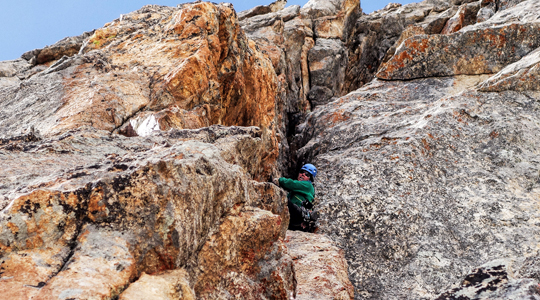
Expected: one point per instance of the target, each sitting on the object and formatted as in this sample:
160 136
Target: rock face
131 205
195 70
307 49
136 157
121 164
321 269
430 171
500 279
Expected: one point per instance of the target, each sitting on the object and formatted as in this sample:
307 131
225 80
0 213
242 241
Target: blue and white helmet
310 169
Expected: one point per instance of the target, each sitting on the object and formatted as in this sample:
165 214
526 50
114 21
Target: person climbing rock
300 198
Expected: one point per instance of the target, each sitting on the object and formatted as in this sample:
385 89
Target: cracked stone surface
432 172
320 267
143 149
131 205
117 166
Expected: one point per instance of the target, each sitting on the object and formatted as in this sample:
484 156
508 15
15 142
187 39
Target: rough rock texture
157 68
246 259
500 279
167 286
479 49
465 16
127 206
472 52
327 63
321 269
114 172
522 75
373 39
142 149
332 19
306 47
262 9
425 178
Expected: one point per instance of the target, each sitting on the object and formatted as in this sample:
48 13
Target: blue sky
31 24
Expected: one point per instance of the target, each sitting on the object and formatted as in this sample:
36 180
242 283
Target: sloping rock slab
481 51
125 206
494 280
522 75
419 184
320 267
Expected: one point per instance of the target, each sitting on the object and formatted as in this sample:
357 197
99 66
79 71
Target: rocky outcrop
168 285
122 169
376 37
500 279
430 171
321 269
143 149
306 46
132 205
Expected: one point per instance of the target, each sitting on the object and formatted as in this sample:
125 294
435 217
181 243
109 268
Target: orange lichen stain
426 144
101 37
95 206
497 40
394 157
421 45
494 134
430 135
336 117
14 228
34 242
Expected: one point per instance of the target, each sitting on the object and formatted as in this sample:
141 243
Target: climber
300 198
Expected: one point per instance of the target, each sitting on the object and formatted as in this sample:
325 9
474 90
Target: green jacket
298 190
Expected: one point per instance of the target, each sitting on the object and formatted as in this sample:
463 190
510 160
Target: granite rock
425 177
423 180
168 285
472 52
126 206
117 167
522 75
373 35
495 280
262 9
327 63
320 267
465 16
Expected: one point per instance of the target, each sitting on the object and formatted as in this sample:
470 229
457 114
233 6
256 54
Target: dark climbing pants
296 215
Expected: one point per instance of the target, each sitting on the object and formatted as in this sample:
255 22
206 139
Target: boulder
327 63
168 285
465 16
320 267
